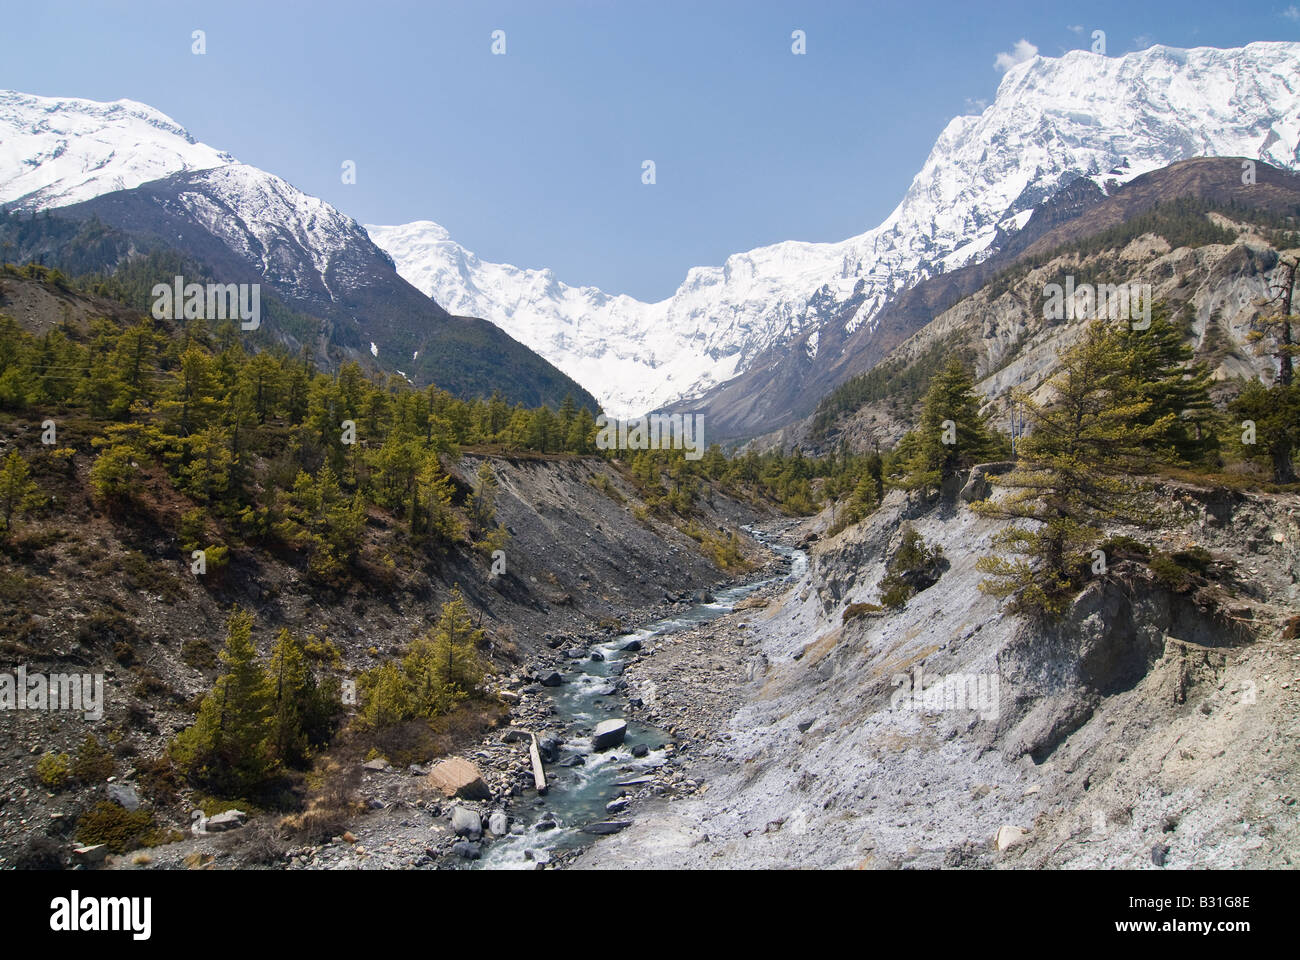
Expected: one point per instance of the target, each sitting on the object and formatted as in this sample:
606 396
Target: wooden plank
539 775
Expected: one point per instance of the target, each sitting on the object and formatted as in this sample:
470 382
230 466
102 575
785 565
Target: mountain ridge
1054 121
244 225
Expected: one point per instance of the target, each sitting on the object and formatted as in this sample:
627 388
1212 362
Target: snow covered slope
1054 120
141 175
55 151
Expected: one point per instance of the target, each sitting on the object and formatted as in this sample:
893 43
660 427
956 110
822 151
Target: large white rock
609 733
466 823
1009 836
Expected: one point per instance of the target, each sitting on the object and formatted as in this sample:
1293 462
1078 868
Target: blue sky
535 157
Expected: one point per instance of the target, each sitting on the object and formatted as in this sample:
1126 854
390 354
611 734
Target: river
582 781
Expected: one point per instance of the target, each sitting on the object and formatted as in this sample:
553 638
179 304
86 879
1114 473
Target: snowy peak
55 151
144 177
1054 120
293 238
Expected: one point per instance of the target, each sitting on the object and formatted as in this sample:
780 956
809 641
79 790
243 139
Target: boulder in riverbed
466 849
466 822
606 827
609 733
230 820
458 778
1009 836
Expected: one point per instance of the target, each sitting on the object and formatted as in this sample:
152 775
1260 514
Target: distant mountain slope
1193 230
245 226
781 315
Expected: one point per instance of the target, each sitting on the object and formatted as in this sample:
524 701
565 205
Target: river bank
674 681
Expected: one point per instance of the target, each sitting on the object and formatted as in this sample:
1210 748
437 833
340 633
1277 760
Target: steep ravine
1140 732
579 564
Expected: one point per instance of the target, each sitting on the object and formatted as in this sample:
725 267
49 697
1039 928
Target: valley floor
1144 731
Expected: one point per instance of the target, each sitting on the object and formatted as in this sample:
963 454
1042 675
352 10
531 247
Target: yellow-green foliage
726 551
914 567
216 557
54 770
441 670
18 493
258 717
855 610
120 829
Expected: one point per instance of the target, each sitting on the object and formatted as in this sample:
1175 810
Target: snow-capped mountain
326 284
1053 121
617 346
59 150
291 238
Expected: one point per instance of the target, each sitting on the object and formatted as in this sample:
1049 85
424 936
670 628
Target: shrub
441 670
54 770
1170 572
1194 558
94 763
119 829
158 780
855 610
198 654
109 626
151 685
1120 547
42 853
913 568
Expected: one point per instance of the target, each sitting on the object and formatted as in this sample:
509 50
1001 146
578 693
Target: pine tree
229 748
440 670
1279 327
1160 362
482 503
434 516
191 401
18 493
1270 426
385 699
1072 475
292 689
951 433
582 433
455 661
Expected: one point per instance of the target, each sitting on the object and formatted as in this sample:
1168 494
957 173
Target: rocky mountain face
337 292
755 341
996 312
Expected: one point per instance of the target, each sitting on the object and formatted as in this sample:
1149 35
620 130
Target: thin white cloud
1022 51
1292 13
1077 28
